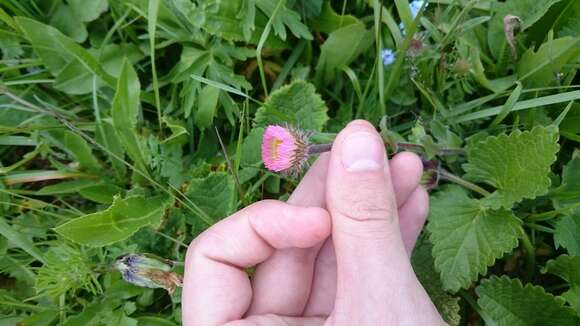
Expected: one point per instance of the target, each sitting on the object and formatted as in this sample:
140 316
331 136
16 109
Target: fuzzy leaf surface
517 165
506 302
467 237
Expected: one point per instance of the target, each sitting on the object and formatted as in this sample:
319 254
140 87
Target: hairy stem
445 175
321 148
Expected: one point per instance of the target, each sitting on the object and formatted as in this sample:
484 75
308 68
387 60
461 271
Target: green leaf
71 18
252 148
86 58
568 192
206 106
44 41
567 233
283 18
20 240
297 104
88 10
570 126
507 302
329 20
81 151
517 164
107 137
214 195
567 268
103 194
66 187
569 22
539 69
125 112
468 237
424 267
118 222
232 20
529 11
66 20
340 48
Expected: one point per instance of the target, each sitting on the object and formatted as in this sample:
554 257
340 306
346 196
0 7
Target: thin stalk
551 214
62 312
530 253
445 175
321 148
229 163
540 228
172 239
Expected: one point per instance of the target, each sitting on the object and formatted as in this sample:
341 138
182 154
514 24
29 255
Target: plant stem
321 148
445 175
530 253
442 151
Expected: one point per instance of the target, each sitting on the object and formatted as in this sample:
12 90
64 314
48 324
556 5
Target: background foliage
131 126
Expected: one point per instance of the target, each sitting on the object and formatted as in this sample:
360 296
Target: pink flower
284 149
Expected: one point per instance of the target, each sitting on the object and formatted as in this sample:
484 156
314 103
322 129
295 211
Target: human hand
360 276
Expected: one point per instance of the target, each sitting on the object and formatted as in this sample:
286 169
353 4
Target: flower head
387 56
284 149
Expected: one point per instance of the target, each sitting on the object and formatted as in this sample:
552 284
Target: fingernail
362 151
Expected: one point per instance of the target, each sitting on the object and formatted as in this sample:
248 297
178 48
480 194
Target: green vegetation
131 126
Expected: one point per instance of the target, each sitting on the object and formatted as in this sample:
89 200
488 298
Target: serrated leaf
424 266
468 237
568 268
125 112
214 195
506 301
118 222
529 11
297 104
340 48
567 233
517 164
539 68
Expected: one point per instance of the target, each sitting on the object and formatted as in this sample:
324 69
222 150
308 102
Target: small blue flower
402 28
387 57
416 6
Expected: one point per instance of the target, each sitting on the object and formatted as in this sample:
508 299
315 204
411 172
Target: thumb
369 248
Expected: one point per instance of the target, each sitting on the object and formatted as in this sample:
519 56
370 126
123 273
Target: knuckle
363 202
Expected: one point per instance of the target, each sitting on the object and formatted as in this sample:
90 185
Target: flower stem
321 148
445 175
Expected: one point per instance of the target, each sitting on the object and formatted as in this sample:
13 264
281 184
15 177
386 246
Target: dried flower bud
148 271
511 25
